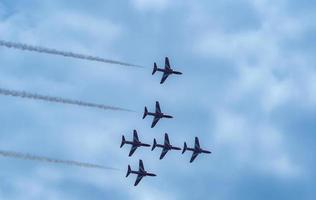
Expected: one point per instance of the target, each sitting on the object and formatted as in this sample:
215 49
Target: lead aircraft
167 71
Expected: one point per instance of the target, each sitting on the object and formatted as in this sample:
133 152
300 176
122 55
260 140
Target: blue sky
248 92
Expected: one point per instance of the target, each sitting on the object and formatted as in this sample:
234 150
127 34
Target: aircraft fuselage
138 144
159 115
168 147
198 150
143 173
169 71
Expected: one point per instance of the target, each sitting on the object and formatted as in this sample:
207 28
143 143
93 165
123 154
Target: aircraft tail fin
129 170
145 112
184 147
154 145
155 69
123 141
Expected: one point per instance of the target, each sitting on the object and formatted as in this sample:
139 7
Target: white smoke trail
27 47
23 94
26 156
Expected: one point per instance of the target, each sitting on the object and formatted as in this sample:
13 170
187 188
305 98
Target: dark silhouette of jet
165 147
157 115
135 143
166 71
140 173
196 150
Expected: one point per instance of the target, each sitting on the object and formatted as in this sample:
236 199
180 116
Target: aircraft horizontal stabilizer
129 170
154 145
145 112
184 147
155 69
123 141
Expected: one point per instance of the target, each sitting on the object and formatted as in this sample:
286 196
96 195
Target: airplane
157 115
166 71
140 173
196 150
165 147
135 143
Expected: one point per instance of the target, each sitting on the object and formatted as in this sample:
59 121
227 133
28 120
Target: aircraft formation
166 146
135 143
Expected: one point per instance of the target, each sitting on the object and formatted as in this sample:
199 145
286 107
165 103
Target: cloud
267 79
2 10
151 5
254 145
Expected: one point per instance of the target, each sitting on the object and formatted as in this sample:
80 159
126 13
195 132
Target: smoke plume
34 96
24 156
38 49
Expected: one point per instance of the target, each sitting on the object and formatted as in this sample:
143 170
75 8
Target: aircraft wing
158 107
167 139
164 77
197 143
167 64
138 179
194 155
135 136
163 153
155 121
133 149
141 165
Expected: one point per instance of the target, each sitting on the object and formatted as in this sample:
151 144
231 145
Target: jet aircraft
196 150
157 114
165 147
135 143
140 173
166 71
